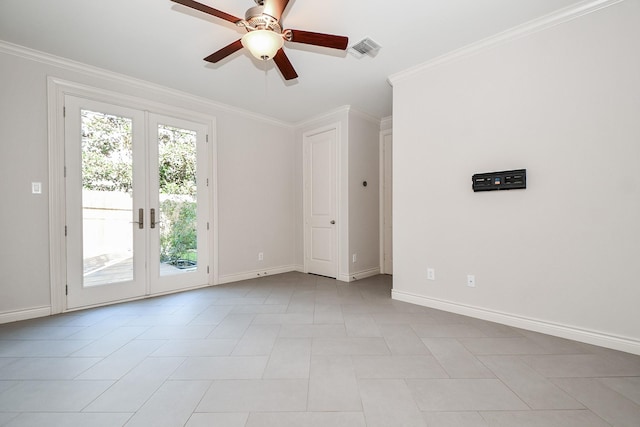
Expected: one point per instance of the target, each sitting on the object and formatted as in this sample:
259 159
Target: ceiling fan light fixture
263 44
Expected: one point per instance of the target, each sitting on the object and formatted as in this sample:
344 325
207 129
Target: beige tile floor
301 350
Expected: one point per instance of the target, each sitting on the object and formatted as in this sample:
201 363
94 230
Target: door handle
153 218
333 221
140 220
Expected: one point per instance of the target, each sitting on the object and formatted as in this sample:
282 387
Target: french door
136 203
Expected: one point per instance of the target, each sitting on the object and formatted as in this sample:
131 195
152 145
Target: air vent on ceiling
365 47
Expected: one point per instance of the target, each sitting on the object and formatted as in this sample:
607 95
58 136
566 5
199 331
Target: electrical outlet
355 258
431 274
260 256
471 281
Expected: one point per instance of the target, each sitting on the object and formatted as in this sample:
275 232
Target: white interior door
320 203
105 202
388 202
137 205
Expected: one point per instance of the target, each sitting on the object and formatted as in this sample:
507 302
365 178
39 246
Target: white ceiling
164 43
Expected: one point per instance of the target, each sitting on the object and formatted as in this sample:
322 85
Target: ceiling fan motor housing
257 19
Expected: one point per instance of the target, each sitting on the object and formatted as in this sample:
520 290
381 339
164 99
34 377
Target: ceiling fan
265 34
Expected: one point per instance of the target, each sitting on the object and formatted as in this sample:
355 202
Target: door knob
333 221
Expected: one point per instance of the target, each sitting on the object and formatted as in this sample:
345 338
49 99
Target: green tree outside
107 159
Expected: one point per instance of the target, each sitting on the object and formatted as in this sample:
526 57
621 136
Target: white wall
255 169
259 173
364 207
24 256
562 255
256 197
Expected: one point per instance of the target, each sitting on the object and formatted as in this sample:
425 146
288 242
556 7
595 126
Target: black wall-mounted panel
505 180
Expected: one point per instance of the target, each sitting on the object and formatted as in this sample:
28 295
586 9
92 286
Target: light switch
36 187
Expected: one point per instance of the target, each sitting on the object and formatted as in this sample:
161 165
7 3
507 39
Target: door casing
336 228
57 89
386 202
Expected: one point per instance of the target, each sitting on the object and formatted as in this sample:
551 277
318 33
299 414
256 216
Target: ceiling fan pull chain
266 81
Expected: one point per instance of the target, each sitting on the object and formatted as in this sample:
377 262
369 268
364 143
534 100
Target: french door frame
80 295
386 169
57 89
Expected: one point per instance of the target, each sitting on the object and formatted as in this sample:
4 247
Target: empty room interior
320 213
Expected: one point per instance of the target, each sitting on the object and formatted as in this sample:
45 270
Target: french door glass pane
178 200
107 204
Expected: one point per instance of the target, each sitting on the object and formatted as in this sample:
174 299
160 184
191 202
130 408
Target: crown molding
332 114
329 115
365 116
551 20
386 123
92 71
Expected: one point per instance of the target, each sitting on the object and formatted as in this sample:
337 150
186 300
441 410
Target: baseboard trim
359 275
563 331
30 313
365 273
230 278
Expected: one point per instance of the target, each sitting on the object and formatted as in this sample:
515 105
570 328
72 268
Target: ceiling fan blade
207 9
319 39
284 65
224 52
275 7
